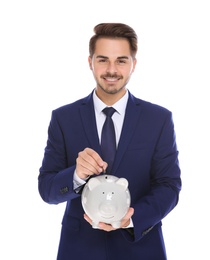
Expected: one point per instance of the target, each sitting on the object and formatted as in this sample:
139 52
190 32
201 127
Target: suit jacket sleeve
162 193
56 173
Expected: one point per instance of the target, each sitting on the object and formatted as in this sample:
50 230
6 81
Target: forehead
112 47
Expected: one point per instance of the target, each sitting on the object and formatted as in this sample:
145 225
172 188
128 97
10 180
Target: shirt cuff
130 225
77 181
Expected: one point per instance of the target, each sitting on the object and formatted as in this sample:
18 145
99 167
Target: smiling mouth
111 79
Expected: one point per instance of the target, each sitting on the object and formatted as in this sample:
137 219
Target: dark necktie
108 139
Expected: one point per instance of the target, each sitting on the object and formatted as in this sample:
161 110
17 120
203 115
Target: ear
123 183
134 64
92 183
90 62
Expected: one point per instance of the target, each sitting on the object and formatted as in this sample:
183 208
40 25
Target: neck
110 98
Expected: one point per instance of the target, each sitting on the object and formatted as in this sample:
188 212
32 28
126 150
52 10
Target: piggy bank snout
107 208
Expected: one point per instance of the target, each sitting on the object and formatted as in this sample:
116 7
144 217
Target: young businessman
146 155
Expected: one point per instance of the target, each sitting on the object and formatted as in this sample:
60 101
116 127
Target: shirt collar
119 106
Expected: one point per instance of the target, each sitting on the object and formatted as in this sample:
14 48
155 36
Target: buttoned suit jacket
146 156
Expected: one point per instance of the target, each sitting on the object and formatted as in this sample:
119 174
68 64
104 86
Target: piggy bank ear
92 183
123 183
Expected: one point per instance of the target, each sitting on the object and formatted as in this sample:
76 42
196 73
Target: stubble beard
111 90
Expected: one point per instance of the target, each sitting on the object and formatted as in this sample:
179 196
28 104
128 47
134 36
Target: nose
111 68
107 209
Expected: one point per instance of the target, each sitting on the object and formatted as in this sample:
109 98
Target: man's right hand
88 163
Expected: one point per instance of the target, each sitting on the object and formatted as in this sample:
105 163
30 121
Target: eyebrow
105 57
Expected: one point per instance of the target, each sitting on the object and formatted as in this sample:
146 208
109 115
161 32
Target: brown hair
114 30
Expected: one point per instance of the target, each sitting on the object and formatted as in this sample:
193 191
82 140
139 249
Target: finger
92 161
126 220
87 219
101 225
81 171
106 227
84 168
98 160
130 213
87 163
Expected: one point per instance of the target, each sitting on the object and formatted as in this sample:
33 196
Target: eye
102 60
121 61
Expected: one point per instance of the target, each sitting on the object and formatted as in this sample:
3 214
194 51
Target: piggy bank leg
116 224
95 224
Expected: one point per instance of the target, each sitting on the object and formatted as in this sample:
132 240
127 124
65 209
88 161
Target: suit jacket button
64 190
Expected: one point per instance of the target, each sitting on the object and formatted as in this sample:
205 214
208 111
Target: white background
43 65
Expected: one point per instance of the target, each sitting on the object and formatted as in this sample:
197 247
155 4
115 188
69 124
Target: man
146 155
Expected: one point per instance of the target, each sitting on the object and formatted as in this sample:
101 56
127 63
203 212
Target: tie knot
108 111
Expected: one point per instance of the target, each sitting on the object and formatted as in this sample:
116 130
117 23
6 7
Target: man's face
112 65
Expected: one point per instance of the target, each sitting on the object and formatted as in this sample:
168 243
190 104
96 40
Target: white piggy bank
106 198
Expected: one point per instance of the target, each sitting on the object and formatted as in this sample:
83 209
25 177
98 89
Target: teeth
111 79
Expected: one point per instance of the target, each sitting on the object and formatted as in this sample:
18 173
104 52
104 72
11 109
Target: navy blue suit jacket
147 157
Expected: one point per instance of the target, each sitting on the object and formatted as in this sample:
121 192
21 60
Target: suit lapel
132 115
89 123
